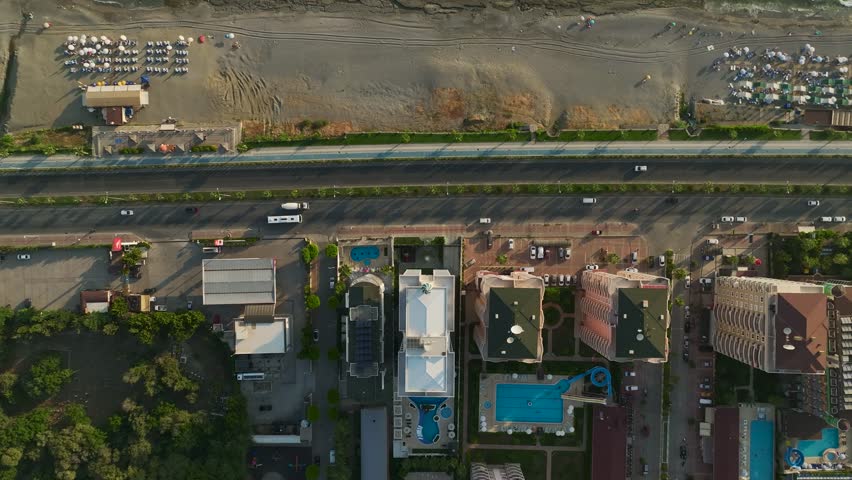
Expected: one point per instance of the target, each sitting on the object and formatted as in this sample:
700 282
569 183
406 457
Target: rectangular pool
531 403
761 448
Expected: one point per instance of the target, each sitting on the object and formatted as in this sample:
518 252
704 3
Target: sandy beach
403 70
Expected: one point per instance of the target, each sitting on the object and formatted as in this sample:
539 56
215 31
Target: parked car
160 308
546 278
661 260
671 200
540 252
484 220
189 304
561 280
727 219
511 244
705 281
839 219
706 394
567 253
597 232
707 364
489 238
532 252
631 269
687 326
813 203
24 256
705 386
708 258
561 253
631 388
630 373
316 335
742 219
149 291
126 212
712 241
683 452
640 168
688 280
317 460
591 267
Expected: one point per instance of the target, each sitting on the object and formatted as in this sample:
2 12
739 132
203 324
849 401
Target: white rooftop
426 360
260 338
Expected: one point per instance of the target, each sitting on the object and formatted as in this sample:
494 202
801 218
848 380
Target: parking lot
584 250
53 279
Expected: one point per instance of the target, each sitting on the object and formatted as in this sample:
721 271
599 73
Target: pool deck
487 393
405 419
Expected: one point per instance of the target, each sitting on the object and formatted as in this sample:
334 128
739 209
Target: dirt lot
403 69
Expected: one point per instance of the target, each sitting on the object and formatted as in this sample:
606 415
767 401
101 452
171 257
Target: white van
589 200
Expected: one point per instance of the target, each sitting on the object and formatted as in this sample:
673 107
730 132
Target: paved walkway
66 239
450 150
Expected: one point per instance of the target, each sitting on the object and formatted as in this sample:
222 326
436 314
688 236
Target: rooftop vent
640 337
510 340
515 303
645 304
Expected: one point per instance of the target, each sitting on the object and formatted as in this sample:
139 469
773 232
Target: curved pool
427 430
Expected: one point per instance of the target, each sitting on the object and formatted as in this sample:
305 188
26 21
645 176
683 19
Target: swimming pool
760 450
364 254
815 448
525 402
427 422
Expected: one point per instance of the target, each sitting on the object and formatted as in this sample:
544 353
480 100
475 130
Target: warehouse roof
238 281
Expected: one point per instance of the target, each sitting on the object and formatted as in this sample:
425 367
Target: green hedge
737 132
204 148
829 134
598 136
130 151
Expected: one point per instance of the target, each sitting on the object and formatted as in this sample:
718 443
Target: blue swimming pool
523 402
815 448
364 254
427 425
761 449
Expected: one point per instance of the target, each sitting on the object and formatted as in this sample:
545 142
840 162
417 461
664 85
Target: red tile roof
609 443
725 443
805 315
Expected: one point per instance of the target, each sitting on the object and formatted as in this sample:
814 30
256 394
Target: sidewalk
66 240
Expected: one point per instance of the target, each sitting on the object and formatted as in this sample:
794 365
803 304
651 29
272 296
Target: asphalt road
434 172
162 222
702 149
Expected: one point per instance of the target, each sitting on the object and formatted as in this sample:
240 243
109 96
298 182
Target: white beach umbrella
72 47
103 38
726 55
746 49
121 47
510 431
168 47
181 38
106 64
123 38
529 431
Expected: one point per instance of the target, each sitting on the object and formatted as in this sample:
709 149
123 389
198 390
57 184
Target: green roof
508 307
641 329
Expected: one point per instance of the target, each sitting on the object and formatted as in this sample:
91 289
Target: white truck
295 206
284 219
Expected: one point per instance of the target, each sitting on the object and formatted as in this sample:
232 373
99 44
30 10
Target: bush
313 413
130 151
333 396
331 250
310 252
502 259
312 302
333 302
204 148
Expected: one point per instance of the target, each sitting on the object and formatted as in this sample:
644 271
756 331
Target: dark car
708 257
489 238
317 460
316 335
671 200
683 451
265 408
149 291
561 253
687 326
191 209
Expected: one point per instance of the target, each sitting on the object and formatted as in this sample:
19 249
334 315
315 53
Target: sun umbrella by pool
510 431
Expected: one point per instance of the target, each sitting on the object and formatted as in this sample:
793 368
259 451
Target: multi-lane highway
433 172
686 218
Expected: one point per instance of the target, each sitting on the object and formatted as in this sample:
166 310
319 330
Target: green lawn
729 374
533 463
829 135
573 462
744 132
564 296
552 316
563 338
571 439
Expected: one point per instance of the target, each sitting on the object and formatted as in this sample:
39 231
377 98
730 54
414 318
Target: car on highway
742 219
484 220
316 335
839 219
561 280
511 244
125 213
640 168
192 210
532 252
825 219
592 267
597 232
24 256
317 460
727 219
708 258
813 203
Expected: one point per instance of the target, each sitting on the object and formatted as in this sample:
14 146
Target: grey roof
641 330
238 281
259 313
508 307
364 330
374 443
